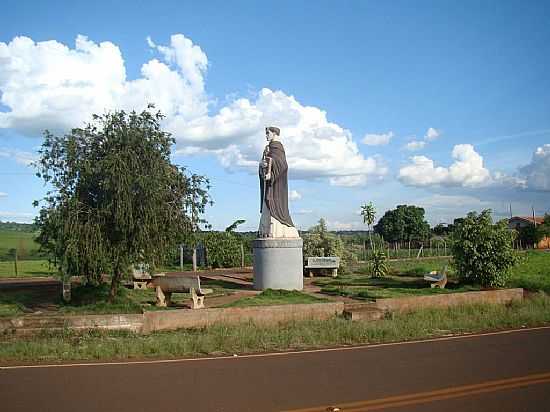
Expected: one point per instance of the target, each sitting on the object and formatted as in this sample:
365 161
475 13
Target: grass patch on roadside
275 297
251 338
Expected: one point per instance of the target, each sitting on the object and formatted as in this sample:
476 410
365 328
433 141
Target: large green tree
403 223
114 196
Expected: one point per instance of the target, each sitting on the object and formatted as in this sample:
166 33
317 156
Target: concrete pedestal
278 264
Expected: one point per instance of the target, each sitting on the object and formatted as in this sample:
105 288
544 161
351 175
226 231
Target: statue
275 221
278 258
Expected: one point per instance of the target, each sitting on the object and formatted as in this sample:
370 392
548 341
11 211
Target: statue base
278 264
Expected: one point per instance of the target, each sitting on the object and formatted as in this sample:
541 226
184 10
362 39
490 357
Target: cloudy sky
442 104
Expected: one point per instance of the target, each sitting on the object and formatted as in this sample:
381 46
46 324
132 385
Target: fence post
15 262
194 259
181 258
242 255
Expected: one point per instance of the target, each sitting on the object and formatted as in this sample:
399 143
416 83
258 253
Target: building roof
538 220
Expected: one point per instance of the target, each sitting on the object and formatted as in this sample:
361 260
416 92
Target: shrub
319 242
378 266
482 251
223 249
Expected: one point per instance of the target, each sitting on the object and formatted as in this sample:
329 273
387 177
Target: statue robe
276 190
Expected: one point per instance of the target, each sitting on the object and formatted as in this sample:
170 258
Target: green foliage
369 215
377 266
482 251
403 223
233 226
223 249
115 197
320 242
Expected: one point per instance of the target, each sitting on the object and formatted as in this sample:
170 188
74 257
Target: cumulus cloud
377 139
466 171
47 85
432 134
415 145
2 194
537 173
294 195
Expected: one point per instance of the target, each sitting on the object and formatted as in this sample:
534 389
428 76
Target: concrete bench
166 285
140 276
437 279
316 263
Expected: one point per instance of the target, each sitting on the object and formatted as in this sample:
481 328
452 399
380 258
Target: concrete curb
404 304
261 315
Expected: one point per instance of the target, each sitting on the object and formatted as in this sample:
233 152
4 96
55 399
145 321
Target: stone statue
275 221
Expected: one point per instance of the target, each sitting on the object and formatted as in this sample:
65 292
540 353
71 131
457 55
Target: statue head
272 133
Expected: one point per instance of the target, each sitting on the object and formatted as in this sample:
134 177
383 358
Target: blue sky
452 99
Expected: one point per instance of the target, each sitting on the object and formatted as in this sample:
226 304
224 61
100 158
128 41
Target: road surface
494 372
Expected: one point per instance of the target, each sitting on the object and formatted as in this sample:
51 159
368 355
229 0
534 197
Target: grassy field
405 278
26 268
250 338
276 297
22 241
533 273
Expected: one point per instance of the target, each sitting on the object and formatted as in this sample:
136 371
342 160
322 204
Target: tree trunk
114 284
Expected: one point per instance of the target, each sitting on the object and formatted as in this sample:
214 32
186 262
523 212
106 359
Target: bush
319 242
482 251
223 249
378 267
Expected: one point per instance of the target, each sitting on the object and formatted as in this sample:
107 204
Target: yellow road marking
435 395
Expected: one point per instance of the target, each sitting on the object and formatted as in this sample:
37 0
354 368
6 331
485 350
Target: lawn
533 273
249 338
405 278
276 297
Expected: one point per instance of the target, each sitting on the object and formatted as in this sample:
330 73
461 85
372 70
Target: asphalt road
497 372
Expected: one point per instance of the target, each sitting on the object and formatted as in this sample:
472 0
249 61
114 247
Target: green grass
533 273
23 241
250 338
26 268
275 297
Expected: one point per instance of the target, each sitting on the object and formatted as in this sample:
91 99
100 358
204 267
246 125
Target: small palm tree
369 214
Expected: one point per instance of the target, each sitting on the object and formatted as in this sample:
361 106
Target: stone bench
140 276
436 279
166 285
316 263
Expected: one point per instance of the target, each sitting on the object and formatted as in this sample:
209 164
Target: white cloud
47 85
537 173
2 194
466 171
432 134
415 145
377 139
294 195
20 156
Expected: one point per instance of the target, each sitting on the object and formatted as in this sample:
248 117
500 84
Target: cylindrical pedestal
278 264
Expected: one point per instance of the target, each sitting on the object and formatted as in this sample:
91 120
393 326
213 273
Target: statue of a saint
275 221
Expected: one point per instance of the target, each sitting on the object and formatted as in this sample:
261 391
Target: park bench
437 279
319 264
166 285
140 276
